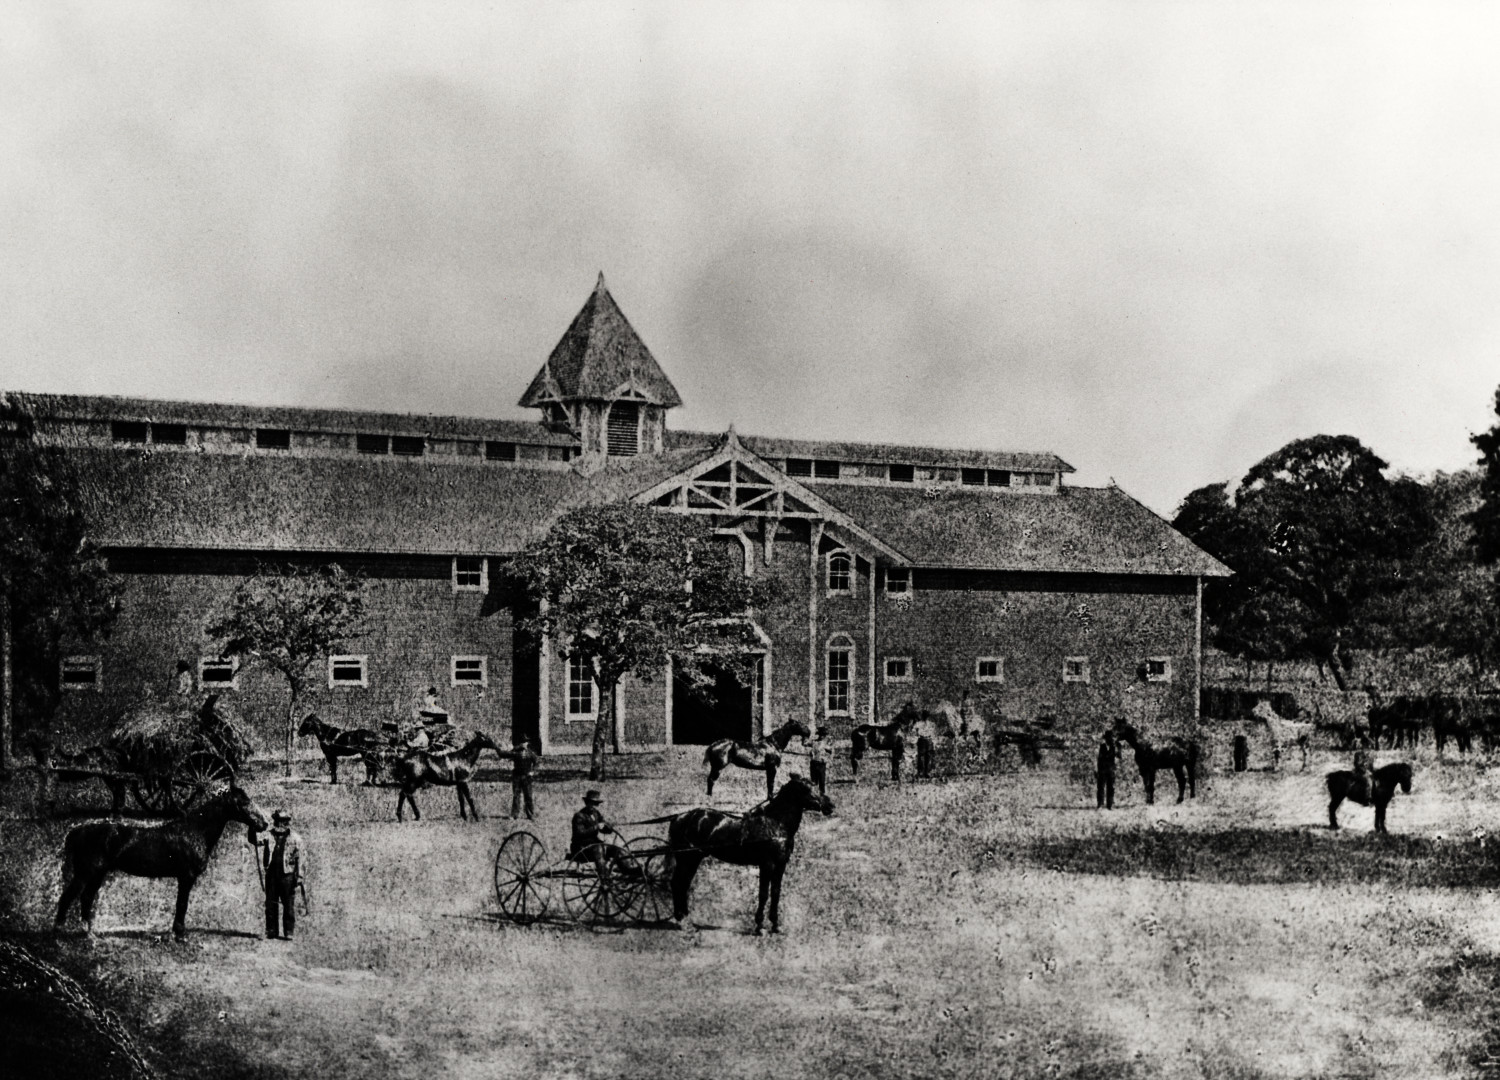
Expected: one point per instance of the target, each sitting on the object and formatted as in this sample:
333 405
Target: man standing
926 731
524 760
281 859
898 754
817 757
1104 774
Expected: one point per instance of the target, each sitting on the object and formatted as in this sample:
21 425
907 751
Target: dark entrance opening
724 710
525 689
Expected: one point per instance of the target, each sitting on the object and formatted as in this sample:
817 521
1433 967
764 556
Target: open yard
985 926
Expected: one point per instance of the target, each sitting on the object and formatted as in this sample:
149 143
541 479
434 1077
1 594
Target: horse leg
179 920
1333 810
1380 805
713 774
333 768
776 875
465 795
1181 782
760 908
91 893
770 781
854 764
1148 781
685 866
72 889
117 797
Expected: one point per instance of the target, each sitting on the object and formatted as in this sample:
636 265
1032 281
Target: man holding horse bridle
281 860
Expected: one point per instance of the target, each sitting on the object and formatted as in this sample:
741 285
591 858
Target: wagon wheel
152 793
653 899
202 771
520 885
608 900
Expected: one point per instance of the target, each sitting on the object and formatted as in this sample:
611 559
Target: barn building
916 574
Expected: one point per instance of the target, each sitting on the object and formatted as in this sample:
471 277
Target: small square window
902 474
273 439
408 445
973 477
372 444
999 477
128 431
799 466
500 451
169 434
1076 669
470 575
989 669
897 580
79 673
826 470
898 669
218 673
470 671
348 671
1158 669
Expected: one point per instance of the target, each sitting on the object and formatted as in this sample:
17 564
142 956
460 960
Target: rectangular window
898 669
408 445
218 673
169 434
470 671
1076 669
840 680
582 700
973 477
128 431
989 669
348 671
372 444
999 477
902 474
273 439
796 466
1158 669
470 575
79 673
897 580
499 451
826 470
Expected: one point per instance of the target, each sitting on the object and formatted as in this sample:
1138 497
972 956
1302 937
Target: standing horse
1284 732
447 768
1375 789
179 849
763 838
1175 753
763 755
880 737
342 742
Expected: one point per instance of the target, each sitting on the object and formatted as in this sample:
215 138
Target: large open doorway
725 710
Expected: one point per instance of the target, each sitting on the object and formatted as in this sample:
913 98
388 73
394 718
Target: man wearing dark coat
280 856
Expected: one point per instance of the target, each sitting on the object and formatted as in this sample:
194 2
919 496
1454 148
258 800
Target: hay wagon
171 758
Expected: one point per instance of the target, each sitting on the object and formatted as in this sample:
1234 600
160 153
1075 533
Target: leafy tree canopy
1485 518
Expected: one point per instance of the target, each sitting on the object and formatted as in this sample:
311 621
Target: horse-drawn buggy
628 882
168 758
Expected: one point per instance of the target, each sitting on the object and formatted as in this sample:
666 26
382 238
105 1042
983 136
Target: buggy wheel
652 902
607 900
152 794
520 887
194 778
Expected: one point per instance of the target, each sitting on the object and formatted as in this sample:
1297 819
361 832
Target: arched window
839 678
840 572
624 429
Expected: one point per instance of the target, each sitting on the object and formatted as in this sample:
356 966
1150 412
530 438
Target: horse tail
1193 752
857 743
708 754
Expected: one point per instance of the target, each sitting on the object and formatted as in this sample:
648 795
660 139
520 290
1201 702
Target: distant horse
1284 733
879 737
1175 753
447 768
763 755
1375 789
342 742
179 849
763 838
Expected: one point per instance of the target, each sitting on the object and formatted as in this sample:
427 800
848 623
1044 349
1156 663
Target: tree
292 619
1485 518
55 586
625 588
1318 537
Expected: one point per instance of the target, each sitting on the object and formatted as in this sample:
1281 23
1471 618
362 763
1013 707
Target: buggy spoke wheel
652 901
618 894
152 795
519 878
580 884
200 773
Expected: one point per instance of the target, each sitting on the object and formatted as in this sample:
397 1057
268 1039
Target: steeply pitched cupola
603 384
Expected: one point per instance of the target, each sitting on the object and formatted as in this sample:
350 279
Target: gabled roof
601 357
834 450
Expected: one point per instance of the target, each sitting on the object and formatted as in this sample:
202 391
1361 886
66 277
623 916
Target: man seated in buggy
589 825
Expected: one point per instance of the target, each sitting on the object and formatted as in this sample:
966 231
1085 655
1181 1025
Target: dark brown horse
179 849
1175 753
763 755
1375 789
763 838
880 736
342 742
447 768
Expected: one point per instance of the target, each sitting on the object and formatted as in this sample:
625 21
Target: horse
447 768
763 755
101 762
343 742
1175 753
880 737
1367 789
1284 732
762 838
179 849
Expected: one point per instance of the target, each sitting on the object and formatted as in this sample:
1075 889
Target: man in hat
280 857
1104 770
817 757
524 760
926 732
589 826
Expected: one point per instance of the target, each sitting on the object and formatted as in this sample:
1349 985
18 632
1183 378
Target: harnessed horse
342 742
449 768
764 755
879 737
1175 753
1375 789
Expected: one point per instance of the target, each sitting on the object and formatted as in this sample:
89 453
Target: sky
1158 240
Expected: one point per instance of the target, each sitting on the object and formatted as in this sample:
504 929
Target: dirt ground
983 926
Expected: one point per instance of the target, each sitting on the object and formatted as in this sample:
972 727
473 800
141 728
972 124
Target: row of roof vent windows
821 469
140 432
218 673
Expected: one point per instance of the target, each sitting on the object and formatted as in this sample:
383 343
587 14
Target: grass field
984 926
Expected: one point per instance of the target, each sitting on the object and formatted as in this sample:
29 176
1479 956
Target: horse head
1124 729
801 794
242 808
484 742
1403 777
309 726
800 729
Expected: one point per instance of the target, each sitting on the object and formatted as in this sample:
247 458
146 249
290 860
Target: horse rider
281 861
589 825
817 758
1361 789
1104 775
926 732
524 759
